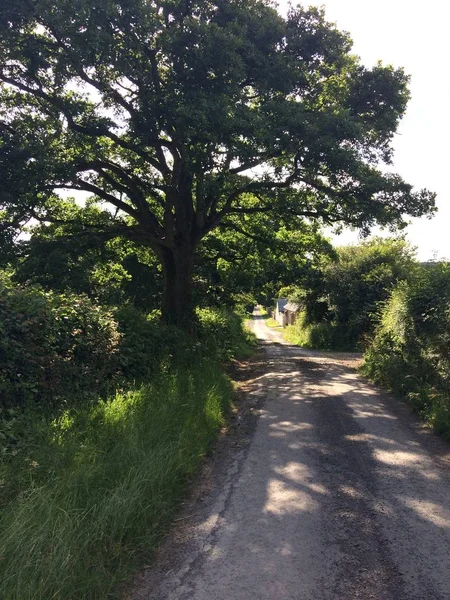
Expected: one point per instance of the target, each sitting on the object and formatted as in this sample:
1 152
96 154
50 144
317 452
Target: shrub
323 335
410 353
244 303
222 333
53 346
342 305
148 346
58 348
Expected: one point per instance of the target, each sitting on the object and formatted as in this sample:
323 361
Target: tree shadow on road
348 475
340 496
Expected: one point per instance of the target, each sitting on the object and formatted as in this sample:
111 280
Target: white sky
413 35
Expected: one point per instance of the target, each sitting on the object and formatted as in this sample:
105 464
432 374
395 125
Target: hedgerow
53 346
410 352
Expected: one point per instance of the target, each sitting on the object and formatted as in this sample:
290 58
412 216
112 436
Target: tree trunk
177 305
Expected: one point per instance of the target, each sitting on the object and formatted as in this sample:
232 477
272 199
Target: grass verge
319 336
87 500
268 319
305 335
272 323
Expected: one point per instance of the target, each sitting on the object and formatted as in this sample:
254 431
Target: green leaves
53 346
410 351
347 293
171 114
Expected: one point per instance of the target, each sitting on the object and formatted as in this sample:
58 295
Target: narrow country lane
340 495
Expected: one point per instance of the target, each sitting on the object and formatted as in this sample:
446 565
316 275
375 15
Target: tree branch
245 233
85 186
83 129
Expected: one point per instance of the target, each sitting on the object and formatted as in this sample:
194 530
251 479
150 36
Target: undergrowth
410 352
88 487
321 336
86 502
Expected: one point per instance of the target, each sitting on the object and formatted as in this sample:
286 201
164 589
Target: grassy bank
310 335
272 323
318 336
89 497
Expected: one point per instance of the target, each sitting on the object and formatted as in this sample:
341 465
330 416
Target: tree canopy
176 117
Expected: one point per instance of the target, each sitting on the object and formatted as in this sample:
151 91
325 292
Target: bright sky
413 35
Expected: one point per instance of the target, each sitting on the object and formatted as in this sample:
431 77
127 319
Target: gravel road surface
339 494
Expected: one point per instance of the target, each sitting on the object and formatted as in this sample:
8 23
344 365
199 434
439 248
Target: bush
324 336
87 489
244 303
410 353
57 349
148 346
341 308
222 332
53 346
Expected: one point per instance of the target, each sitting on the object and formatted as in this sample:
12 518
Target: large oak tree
180 115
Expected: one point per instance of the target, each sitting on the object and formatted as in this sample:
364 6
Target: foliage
179 117
255 256
410 353
363 277
341 305
313 335
98 482
87 501
58 257
234 268
223 334
60 351
243 303
148 346
53 346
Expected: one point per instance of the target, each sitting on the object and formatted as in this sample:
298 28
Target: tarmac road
341 494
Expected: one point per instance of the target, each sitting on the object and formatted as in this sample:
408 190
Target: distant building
285 312
278 314
290 313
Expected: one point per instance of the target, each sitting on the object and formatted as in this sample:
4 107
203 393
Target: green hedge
410 353
148 346
323 335
87 489
341 302
53 346
222 333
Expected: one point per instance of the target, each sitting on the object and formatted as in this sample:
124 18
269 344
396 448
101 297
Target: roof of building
281 303
291 307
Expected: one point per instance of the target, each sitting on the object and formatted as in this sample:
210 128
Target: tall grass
320 336
87 499
310 335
